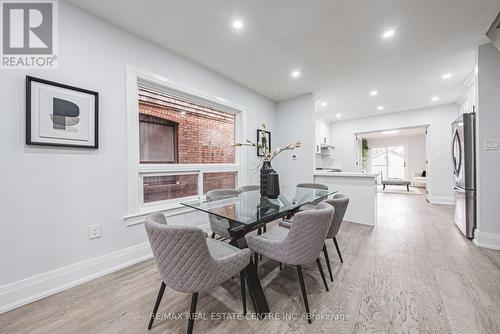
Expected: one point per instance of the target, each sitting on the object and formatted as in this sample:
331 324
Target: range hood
494 32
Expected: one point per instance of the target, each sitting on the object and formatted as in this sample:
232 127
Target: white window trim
136 209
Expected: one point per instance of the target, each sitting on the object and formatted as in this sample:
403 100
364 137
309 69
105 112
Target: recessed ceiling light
323 104
380 108
338 115
373 93
295 74
446 76
237 24
435 99
388 33
390 132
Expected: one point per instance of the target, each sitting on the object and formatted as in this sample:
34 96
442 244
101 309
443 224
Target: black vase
264 172
273 185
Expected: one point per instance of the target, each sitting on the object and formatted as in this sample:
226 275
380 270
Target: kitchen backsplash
324 161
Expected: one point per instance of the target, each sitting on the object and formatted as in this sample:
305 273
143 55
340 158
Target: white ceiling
406 132
336 44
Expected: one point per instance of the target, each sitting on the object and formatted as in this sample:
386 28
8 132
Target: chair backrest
157 217
307 235
313 186
214 195
220 225
249 188
340 203
181 254
318 186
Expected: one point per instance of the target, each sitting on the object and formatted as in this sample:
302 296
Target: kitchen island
361 189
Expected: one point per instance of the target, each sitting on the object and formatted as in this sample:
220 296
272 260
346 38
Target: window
388 162
195 133
221 180
180 145
158 140
161 188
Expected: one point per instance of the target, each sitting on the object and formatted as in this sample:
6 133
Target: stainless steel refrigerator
464 168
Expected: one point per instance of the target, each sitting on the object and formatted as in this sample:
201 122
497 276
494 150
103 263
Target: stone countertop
344 174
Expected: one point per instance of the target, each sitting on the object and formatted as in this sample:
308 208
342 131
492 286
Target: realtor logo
29 34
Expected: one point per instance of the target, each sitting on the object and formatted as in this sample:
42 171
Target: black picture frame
266 134
30 141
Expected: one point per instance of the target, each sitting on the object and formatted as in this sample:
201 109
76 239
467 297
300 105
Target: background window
158 140
219 180
161 188
177 131
388 162
185 147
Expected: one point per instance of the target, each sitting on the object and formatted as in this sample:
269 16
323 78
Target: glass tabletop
250 208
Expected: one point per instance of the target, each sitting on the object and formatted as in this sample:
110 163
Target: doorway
399 156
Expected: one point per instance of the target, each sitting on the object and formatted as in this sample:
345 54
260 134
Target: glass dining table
250 211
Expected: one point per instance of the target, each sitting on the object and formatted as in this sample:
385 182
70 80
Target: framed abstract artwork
61 115
264 140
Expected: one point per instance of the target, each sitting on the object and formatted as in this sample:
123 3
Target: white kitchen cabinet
322 133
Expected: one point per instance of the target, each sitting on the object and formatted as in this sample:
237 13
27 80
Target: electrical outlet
94 231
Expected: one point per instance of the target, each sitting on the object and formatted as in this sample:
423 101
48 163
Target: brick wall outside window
204 136
160 188
220 180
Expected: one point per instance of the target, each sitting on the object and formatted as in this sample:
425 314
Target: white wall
50 195
440 175
295 121
488 233
414 151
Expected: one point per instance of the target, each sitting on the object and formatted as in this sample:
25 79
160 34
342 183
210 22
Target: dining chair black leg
256 260
192 313
157 304
243 292
338 249
327 259
304 293
213 235
281 266
318 262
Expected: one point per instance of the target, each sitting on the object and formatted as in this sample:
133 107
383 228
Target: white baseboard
361 222
487 240
28 290
441 200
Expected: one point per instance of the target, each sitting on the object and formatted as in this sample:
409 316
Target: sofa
420 179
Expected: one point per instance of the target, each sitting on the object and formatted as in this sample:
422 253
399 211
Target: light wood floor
412 273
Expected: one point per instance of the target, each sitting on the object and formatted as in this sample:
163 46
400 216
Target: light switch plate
491 144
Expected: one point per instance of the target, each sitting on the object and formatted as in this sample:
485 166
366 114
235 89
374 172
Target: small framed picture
61 115
264 140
